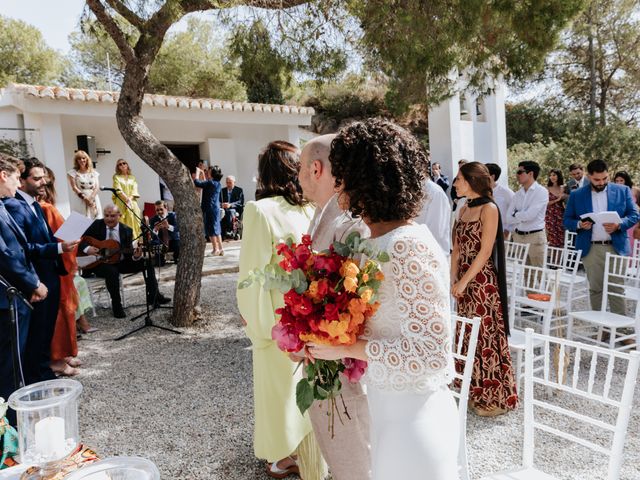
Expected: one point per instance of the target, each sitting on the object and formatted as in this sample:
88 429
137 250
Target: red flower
331 311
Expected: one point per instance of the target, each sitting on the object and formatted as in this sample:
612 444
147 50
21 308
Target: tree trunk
178 179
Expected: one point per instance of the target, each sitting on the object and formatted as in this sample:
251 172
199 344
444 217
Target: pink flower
286 339
354 369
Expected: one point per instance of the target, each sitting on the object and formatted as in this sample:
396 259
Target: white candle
50 437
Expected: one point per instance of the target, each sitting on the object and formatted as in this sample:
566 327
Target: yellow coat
279 426
129 186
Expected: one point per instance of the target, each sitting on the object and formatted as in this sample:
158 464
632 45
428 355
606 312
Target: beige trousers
594 266
347 453
537 242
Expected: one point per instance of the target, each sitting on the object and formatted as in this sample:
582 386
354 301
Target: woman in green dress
279 212
126 183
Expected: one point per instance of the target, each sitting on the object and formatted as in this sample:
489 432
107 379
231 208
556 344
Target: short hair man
526 213
232 201
347 453
437 176
596 239
578 178
165 224
17 270
131 261
501 194
44 252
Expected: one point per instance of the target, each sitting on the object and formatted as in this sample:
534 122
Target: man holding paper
601 213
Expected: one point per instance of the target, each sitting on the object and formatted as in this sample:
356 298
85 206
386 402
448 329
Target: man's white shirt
436 215
600 204
527 209
503 196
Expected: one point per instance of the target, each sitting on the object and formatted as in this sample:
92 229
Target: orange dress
64 342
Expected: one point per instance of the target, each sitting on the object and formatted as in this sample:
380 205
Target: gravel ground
185 402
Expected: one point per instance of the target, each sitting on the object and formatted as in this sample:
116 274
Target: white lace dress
414 418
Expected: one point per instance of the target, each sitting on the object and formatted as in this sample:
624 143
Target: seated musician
130 261
165 225
232 201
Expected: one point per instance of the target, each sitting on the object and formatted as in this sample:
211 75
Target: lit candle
50 437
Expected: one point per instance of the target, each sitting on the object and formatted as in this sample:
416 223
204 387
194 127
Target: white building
470 128
229 134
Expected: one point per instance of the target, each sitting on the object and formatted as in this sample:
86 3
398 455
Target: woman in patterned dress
84 182
380 171
555 209
623 178
478 273
127 196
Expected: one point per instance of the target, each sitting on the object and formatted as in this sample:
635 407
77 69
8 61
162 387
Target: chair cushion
523 474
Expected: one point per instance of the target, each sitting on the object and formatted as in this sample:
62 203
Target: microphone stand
14 294
147 262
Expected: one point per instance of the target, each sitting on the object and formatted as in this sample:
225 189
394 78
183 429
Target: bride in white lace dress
380 169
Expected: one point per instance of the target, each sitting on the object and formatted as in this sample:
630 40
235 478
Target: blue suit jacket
14 264
42 247
619 199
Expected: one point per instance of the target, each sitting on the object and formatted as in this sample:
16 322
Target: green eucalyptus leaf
304 395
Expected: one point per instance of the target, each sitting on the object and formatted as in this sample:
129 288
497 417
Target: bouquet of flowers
328 298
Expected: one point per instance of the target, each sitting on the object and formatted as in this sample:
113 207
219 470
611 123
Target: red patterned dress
553 222
492 383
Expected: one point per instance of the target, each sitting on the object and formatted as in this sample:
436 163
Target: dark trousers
111 275
41 326
8 383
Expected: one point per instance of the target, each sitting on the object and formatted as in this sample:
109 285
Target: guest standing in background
279 212
501 195
84 182
555 209
127 196
64 344
435 214
526 213
478 274
578 178
210 206
623 178
438 178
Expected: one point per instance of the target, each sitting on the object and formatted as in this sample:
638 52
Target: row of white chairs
566 367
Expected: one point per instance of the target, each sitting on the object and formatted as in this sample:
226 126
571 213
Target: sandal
489 412
276 472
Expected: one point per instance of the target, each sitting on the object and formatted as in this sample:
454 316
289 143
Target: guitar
109 253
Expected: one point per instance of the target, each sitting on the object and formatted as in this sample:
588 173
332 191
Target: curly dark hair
278 167
558 174
381 168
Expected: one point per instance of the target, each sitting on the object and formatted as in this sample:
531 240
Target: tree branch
112 29
126 13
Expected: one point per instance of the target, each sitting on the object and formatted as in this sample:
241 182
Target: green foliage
419 45
15 148
600 55
263 70
190 63
24 55
617 143
528 122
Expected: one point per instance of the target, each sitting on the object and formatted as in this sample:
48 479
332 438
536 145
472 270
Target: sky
56 19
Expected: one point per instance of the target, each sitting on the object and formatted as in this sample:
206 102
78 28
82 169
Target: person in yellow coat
278 213
126 183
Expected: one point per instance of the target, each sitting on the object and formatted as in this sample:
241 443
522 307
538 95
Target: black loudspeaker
88 144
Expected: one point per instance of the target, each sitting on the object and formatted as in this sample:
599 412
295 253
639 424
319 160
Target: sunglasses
520 172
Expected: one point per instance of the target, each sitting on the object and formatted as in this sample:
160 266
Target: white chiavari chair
620 282
469 328
579 421
574 287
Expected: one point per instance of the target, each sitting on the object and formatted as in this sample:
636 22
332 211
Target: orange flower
366 295
379 275
365 277
349 269
350 284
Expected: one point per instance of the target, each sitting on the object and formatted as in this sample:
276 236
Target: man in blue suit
17 270
44 252
594 239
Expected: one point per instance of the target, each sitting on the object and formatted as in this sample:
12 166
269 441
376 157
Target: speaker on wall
88 144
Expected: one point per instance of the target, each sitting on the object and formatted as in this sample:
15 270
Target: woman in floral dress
555 209
128 195
84 182
479 286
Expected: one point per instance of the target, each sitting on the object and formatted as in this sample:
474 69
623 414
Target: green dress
129 186
279 426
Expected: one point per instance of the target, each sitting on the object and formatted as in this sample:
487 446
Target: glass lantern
118 468
47 414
